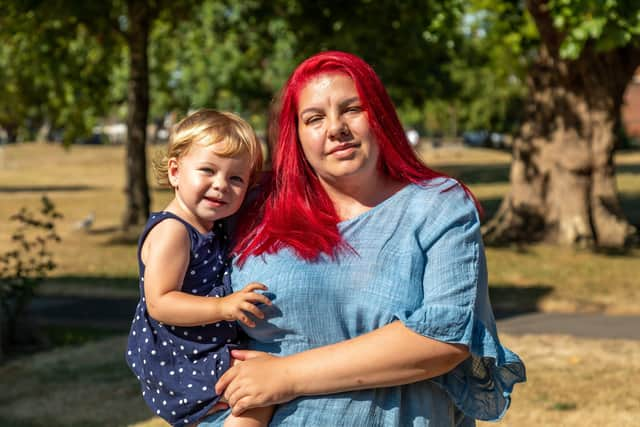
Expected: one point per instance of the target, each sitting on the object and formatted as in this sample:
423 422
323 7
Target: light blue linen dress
418 258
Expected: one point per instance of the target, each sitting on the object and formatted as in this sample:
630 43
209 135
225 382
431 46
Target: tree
53 72
563 176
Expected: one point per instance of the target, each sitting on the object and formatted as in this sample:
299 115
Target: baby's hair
232 135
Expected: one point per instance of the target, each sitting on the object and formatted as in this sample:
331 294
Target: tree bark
137 188
562 176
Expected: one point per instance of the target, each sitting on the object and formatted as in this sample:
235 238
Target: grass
571 382
87 179
84 381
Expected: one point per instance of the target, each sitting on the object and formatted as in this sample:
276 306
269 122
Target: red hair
297 212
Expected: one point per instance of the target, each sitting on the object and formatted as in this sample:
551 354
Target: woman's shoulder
441 195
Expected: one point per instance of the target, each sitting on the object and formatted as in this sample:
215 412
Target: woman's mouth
344 150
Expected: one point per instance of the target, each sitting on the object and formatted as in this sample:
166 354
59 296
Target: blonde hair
234 136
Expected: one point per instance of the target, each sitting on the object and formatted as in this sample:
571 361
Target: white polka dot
204 388
144 329
204 280
164 343
199 339
186 334
189 385
180 370
173 412
195 351
162 363
133 332
153 352
158 412
160 383
194 373
193 272
129 352
172 372
133 365
164 402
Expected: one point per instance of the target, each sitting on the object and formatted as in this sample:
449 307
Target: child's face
209 187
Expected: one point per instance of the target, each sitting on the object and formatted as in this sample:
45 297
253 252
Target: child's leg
256 417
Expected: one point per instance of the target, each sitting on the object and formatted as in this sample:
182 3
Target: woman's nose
338 128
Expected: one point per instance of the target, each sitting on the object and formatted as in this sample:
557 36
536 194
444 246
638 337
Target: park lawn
86 179
572 382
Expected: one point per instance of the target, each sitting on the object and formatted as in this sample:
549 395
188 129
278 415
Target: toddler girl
184 325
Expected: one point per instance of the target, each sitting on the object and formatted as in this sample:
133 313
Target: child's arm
256 417
165 254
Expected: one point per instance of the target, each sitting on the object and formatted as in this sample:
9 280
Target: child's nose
219 184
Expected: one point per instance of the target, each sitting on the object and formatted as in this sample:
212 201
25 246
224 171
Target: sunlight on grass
87 179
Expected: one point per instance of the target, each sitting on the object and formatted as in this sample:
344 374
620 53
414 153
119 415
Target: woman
375 268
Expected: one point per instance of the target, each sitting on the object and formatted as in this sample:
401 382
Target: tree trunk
562 177
137 188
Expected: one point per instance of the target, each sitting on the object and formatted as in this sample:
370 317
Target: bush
23 267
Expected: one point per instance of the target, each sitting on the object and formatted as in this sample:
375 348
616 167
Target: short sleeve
455 308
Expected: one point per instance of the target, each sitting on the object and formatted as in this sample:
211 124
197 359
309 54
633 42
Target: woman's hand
260 380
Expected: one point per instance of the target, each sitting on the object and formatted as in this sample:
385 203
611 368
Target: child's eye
206 170
237 179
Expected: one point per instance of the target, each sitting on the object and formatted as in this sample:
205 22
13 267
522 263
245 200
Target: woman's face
334 131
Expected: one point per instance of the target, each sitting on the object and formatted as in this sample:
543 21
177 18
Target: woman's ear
173 171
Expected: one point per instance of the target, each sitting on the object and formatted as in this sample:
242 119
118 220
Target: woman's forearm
389 356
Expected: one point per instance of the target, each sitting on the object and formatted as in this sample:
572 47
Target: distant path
116 313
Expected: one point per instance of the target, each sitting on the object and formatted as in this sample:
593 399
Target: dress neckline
377 207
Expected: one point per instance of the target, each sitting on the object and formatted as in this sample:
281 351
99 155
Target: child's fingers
245 319
258 298
250 308
255 286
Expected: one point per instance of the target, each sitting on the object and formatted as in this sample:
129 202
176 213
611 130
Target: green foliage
23 267
230 55
607 23
53 71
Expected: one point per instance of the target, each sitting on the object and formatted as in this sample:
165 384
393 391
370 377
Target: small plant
23 267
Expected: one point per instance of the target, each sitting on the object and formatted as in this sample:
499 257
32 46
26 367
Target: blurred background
534 104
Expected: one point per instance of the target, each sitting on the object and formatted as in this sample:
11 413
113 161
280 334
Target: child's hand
238 304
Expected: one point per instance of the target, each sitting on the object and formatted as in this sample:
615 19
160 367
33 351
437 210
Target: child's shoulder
167 229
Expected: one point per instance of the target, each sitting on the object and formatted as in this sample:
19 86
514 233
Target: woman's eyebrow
348 101
341 104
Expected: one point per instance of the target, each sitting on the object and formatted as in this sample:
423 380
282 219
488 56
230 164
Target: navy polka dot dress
178 367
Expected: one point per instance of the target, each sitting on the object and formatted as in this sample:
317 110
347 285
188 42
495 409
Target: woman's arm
389 356
165 254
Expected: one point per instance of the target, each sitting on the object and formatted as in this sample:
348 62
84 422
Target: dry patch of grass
571 382
88 385
87 179
575 382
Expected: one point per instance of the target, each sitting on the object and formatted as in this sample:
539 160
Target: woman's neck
351 199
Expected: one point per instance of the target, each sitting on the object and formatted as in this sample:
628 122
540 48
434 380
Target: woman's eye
354 109
313 119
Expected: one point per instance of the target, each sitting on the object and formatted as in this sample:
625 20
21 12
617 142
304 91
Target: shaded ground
115 314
